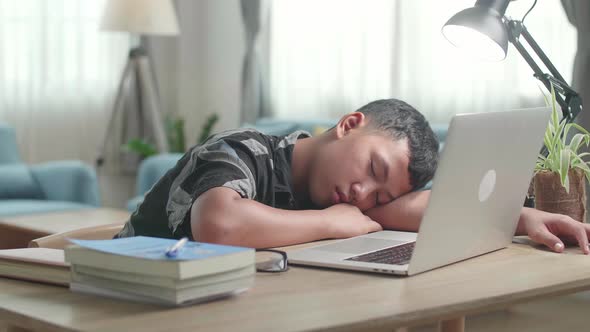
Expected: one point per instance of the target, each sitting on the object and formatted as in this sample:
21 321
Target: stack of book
35 264
138 269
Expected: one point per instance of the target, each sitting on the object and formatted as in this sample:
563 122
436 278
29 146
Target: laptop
477 194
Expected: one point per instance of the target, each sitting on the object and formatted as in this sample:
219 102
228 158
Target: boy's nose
355 190
358 192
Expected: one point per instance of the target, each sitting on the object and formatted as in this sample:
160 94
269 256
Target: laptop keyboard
398 255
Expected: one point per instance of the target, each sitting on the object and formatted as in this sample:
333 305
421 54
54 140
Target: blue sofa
150 171
152 168
46 187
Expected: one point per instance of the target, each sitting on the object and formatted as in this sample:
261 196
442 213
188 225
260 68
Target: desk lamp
485 31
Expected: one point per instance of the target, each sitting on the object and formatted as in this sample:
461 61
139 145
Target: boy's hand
551 229
345 220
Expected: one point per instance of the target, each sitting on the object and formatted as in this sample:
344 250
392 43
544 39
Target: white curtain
58 76
329 57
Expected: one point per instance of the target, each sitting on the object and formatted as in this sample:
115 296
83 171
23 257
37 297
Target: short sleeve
222 163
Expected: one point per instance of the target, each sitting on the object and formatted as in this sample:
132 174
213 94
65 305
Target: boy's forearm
403 214
252 224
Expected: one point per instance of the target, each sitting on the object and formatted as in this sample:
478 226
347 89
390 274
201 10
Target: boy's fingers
579 231
545 237
582 237
375 227
586 231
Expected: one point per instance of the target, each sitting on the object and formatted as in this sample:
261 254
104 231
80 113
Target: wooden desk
310 299
17 231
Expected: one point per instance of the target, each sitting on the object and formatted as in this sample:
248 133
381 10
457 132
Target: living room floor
562 313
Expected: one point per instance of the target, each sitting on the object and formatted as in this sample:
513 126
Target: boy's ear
350 122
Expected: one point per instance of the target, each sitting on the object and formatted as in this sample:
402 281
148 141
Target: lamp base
138 66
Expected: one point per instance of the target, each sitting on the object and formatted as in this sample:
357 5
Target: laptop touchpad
359 245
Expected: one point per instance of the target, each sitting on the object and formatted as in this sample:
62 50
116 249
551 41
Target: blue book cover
155 248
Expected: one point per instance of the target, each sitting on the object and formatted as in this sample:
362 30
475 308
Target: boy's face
359 166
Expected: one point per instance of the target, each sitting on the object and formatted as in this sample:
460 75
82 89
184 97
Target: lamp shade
480 31
148 17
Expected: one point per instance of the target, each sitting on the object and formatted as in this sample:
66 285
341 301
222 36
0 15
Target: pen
173 250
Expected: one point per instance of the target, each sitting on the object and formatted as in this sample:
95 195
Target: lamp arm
531 41
567 98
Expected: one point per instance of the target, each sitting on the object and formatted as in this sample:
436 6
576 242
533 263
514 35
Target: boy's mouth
339 197
335 197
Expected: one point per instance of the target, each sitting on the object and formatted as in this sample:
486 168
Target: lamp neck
497 5
565 96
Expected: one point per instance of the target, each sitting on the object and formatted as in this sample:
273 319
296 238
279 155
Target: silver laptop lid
479 186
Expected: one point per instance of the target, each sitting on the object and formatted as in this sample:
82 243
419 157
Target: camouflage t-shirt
255 165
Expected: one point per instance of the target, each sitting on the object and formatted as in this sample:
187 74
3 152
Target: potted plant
559 185
175 135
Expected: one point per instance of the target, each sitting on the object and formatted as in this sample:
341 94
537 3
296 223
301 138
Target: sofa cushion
8 151
133 203
16 181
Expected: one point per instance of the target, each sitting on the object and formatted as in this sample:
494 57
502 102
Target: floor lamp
139 17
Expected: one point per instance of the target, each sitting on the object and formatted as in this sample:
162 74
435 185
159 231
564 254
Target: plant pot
551 196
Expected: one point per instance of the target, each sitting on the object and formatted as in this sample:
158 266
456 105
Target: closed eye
374 176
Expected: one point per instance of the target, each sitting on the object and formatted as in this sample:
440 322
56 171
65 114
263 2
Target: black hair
399 120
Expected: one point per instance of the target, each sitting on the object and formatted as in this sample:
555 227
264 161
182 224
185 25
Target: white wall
199 72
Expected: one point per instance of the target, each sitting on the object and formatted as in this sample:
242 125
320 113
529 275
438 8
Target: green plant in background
175 135
563 156
140 147
207 128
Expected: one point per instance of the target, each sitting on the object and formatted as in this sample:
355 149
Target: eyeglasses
271 260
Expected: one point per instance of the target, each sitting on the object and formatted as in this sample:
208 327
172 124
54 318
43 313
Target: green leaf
580 128
555 122
581 164
564 167
561 133
175 133
575 142
207 128
547 138
140 147
553 102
